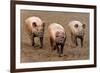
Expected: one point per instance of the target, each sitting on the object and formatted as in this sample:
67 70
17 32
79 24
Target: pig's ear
57 34
43 24
34 24
76 25
84 26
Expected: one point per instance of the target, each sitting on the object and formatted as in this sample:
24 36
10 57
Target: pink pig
35 28
77 31
57 37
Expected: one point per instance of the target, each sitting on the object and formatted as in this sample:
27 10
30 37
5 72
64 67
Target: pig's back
30 20
53 28
72 25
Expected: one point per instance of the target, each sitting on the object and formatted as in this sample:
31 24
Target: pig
77 32
57 37
35 28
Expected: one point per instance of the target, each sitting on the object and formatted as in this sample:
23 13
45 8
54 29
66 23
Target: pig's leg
73 39
81 42
58 48
41 42
62 48
33 43
51 43
54 48
76 42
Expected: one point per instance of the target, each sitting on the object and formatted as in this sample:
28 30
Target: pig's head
60 37
38 29
78 28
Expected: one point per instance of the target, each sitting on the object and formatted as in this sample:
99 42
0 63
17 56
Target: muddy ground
36 54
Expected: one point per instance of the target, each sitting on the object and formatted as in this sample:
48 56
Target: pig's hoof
41 47
60 55
33 44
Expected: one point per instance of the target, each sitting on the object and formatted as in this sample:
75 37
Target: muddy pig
57 37
35 28
77 32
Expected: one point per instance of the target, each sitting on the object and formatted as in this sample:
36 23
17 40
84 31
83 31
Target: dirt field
31 54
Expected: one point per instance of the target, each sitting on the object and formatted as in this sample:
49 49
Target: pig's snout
60 40
40 34
81 33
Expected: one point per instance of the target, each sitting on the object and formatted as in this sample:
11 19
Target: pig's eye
34 24
76 25
57 36
62 37
83 25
